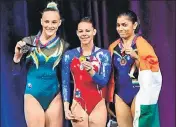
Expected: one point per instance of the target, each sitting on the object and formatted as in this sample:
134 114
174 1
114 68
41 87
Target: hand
78 119
129 51
69 115
87 65
18 54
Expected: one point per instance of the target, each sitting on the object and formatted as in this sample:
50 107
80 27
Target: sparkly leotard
87 88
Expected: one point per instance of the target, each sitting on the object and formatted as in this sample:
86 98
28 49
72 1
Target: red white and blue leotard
87 88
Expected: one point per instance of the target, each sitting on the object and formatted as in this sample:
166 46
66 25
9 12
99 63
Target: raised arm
19 56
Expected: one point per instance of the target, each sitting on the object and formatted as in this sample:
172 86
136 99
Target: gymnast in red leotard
90 67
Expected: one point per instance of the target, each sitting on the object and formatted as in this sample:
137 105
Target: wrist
66 106
91 72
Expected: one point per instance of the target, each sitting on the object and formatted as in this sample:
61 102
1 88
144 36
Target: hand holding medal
129 51
82 58
85 63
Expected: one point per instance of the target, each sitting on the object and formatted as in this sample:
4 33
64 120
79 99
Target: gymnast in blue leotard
42 99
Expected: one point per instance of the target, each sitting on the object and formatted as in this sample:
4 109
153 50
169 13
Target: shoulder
65 43
104 51
113 45
71 52
142 42
103 54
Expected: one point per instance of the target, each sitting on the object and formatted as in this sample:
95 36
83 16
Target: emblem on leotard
77 93
29 85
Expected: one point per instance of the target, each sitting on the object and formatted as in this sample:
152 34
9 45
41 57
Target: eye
46 21
87 30
54 22
80 31
118 25
124 24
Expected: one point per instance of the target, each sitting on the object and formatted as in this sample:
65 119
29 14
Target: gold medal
82 58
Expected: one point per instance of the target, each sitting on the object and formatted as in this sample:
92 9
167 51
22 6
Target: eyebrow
122 23
50 20
85 29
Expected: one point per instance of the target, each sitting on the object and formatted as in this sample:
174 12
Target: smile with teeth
84 38
121 33
50 30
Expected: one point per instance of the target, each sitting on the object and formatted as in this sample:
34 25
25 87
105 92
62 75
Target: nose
50 25
119 27
84 33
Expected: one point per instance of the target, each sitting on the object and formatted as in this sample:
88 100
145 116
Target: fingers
128 51
87 65
78 119
123 50
69 115
19 45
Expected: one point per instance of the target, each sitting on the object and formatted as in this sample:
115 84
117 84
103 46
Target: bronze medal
123 61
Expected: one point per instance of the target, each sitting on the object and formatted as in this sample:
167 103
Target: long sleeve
103 76
66 76
17 67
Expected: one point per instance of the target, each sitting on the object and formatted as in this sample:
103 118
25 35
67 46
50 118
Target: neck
87 49
45 39
128 40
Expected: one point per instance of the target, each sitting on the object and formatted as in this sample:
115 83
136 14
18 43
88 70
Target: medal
123 61
82 58
25 49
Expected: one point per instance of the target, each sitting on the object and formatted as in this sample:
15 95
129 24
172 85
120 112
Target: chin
49 34
85 42
124 36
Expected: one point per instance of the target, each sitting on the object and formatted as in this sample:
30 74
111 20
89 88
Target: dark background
19 18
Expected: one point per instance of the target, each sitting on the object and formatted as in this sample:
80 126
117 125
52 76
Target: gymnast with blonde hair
43 52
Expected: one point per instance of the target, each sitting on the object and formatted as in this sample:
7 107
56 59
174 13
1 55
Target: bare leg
54 113
98 116
34 113
133 107
78 111
123 113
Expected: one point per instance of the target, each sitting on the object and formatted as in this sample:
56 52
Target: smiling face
50 22
86 32
125 27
